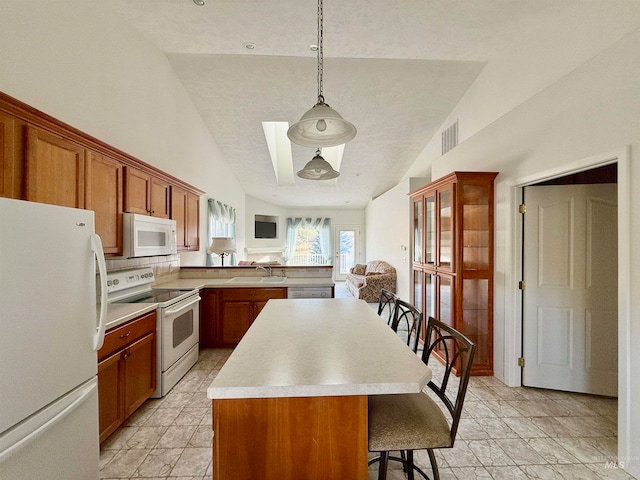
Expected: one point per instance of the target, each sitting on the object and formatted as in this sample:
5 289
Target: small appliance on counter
177 327
50 335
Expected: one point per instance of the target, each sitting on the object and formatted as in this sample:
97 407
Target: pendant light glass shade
318 169
321 126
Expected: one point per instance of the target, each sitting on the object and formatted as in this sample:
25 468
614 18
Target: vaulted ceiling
393 69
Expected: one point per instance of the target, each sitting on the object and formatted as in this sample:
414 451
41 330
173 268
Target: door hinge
522 208
521 362
522 285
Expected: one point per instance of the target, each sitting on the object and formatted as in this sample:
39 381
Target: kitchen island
291 401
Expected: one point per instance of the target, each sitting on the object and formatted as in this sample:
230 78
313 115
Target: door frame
512 195
336 245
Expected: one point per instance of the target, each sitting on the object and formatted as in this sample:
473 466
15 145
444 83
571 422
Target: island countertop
319 347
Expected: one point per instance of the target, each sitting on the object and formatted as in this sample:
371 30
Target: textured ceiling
393 69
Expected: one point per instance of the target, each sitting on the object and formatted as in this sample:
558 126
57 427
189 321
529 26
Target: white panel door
346 241
570 313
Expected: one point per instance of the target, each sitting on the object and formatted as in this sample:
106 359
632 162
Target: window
222 223
308 241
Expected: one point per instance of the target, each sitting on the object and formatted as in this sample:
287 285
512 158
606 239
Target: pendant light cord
320 59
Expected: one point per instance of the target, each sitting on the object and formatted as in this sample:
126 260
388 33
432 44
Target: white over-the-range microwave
145 236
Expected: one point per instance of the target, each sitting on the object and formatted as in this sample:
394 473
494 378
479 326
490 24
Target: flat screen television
265 230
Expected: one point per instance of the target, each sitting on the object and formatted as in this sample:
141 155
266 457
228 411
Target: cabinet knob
125 335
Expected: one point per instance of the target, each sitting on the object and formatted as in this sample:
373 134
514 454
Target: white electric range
177 325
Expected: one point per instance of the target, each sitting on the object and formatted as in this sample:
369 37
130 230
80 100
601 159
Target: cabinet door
193 222
237 317
10 160
55 170
160 195
103 195
137 191
139 373
110 395
209 335
430 222
445 228
179 214
418 223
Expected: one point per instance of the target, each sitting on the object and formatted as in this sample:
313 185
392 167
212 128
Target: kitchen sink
273 279
252 280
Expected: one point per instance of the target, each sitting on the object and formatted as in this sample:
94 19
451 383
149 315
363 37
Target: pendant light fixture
321 126
318 169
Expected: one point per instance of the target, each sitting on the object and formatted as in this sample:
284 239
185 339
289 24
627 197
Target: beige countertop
187 283
118 313
319 347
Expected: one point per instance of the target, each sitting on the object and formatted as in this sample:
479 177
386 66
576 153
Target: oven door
180 329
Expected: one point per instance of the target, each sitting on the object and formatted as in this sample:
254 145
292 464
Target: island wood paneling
317 438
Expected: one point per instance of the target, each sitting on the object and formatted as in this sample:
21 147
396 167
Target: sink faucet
260 267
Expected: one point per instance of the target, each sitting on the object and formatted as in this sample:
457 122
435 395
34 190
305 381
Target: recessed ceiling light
199 2
356 174
348 201
249 46
313 48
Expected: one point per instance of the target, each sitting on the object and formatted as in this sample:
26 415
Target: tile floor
506 433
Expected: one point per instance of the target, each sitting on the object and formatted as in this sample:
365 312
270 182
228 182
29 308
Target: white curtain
222 223
322 224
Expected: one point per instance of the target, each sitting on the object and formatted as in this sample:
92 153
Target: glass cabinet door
475 227
430 229
445 299
445 230
417 230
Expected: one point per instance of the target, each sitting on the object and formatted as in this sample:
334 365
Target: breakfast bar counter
291 400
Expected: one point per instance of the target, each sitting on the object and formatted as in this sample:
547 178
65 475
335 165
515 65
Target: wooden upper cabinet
103 195
137 191
193 221
55 169
145 194
160 195
10 158
185 211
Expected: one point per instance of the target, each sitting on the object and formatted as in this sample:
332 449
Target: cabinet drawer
123 335
262 294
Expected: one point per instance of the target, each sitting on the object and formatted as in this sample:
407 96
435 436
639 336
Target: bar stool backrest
458 352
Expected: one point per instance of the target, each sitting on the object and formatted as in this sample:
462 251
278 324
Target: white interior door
570 313
347 252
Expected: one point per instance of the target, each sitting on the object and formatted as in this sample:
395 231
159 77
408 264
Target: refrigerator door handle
96 247
27 431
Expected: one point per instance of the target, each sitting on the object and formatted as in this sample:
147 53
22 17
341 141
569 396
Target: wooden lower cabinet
227 313
126 371
208 317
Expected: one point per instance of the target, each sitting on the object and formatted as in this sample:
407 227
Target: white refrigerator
51 327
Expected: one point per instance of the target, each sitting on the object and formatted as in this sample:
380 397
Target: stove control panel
124 279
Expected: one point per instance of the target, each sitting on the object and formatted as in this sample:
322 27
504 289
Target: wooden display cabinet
453 245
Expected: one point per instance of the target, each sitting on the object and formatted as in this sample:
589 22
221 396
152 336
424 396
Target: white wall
254 206
589 112
388 220
81 64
